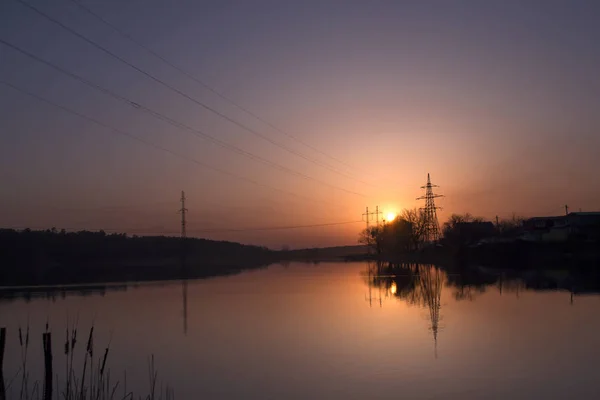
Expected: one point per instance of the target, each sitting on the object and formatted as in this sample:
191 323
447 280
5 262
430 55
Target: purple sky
497 100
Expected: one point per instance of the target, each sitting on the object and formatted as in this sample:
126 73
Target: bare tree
416 219
460 229
510 226
403 234
372 238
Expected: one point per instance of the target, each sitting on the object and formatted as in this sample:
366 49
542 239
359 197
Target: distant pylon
184 286
182 211
367 216
431 229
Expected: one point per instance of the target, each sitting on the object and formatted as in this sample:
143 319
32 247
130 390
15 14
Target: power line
151 144
141 207
201 83
173 122
181 93
224 230
272 228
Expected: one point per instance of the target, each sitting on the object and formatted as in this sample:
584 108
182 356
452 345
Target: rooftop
586 213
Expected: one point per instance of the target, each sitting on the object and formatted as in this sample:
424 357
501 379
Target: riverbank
141 271
50 258
30 258
516 255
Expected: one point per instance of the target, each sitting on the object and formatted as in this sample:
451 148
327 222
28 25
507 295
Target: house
585 225
576 225
546 229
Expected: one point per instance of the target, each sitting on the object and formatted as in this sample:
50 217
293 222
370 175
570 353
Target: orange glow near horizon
361 119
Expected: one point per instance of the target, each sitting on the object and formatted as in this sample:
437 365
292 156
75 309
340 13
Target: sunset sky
499 101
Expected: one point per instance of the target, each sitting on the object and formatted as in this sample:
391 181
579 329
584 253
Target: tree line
406 233
47 255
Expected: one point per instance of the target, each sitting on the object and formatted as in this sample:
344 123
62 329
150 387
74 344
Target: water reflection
53 293
416 284
184 289
339 331
421 284
369 297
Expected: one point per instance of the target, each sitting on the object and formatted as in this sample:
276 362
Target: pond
326 331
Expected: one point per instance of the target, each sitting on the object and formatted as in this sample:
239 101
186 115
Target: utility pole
182 211
367 218
566 209
371 281
377 213
497 222
367 215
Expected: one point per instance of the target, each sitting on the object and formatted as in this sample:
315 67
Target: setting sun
390 216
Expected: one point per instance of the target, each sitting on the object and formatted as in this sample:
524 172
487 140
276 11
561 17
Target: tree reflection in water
421 284
417 284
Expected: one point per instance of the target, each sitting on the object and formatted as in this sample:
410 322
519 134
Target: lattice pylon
431 229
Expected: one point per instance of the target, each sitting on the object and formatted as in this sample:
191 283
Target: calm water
322 331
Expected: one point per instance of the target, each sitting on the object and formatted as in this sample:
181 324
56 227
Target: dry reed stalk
2 344
47 341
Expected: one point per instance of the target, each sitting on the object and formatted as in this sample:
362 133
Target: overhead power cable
272 228
151 144
181 93
171 121
216 230
202 83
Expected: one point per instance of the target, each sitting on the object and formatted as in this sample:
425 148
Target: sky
356 103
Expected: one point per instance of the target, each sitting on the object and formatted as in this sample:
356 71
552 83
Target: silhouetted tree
417 220
401 235
459 230
510 227
371 237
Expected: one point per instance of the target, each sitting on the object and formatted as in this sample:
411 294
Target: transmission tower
184 285
431 227
182 211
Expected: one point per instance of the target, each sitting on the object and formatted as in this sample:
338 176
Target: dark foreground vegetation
58 257
79 371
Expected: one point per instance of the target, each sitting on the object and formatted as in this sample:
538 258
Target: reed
2 343
91 382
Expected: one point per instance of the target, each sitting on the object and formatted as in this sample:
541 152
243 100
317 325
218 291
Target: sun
390 216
